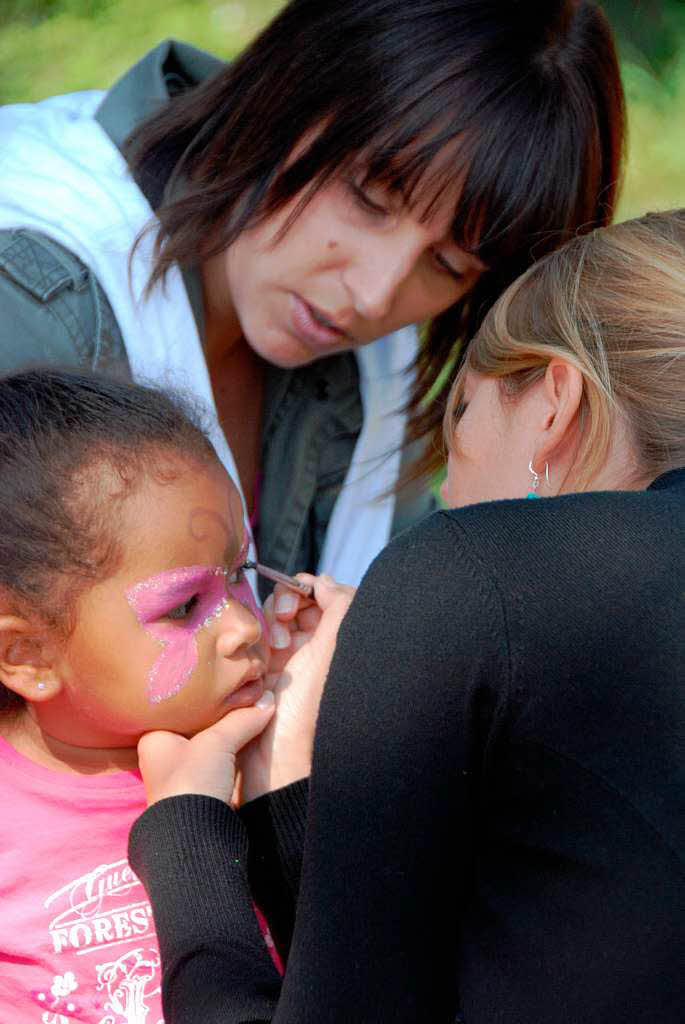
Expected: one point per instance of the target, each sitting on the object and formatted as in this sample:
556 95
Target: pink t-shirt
77 938
77 942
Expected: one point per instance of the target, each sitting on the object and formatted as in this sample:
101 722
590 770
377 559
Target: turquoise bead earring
536 481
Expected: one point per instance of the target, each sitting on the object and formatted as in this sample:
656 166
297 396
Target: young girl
123 608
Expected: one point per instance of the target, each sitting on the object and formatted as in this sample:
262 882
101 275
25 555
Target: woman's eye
235 576
183 610
369 201
459 410
448 268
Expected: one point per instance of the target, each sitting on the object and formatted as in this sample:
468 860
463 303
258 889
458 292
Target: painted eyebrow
195 574
231 560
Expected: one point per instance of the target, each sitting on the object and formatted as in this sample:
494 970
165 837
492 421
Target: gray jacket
55 312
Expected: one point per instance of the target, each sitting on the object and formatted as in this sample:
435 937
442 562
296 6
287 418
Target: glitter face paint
154 601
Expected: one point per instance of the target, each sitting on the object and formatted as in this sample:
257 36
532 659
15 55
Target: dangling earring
536 481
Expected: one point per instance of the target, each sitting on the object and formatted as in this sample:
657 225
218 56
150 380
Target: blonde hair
611 303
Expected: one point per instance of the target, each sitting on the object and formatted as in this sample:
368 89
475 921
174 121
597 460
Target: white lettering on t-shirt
89 915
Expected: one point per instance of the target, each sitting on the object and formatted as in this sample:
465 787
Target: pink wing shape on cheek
175 664
179 654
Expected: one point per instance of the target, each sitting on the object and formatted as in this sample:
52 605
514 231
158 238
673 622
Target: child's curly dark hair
72 447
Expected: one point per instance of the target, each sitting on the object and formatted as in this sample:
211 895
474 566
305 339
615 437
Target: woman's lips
312 327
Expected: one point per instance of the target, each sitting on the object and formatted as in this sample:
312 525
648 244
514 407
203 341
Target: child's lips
251 688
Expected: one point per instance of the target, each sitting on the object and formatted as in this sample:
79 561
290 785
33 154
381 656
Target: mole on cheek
332 244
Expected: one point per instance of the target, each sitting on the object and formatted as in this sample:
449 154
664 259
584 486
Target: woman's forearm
191 853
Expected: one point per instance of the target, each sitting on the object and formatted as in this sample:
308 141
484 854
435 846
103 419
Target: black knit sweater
497 810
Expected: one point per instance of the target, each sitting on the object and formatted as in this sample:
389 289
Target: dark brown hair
58 430
521 100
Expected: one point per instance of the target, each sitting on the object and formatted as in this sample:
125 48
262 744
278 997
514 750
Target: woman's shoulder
573 526
604 543
54 309
432 580
581 574
425 551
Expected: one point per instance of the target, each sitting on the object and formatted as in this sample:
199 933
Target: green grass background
52 46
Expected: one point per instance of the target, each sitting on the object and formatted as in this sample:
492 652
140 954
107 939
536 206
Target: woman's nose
376 277
238 627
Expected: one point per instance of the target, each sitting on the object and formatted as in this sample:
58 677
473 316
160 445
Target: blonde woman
496 817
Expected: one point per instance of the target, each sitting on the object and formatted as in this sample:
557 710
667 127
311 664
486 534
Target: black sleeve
54 311
390 835
275 826
191 855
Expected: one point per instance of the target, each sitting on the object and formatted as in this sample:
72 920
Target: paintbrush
280 577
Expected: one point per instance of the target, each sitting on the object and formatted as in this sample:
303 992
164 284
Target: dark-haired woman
361 168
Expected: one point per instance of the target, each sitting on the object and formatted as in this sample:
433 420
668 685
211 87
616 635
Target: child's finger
239 726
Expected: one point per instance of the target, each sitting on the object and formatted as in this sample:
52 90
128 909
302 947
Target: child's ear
25 660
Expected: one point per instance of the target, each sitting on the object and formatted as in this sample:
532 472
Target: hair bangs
509 204
408 137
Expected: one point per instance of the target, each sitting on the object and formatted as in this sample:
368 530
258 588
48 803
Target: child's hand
172 765
283 752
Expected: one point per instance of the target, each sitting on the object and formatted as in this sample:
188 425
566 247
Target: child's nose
238 627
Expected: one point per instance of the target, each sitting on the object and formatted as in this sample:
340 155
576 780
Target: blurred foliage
53 46
63 45
649 31
32 11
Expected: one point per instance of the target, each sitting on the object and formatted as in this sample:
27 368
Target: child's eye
183 610
235 576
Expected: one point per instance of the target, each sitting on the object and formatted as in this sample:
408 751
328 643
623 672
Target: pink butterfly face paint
173 607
